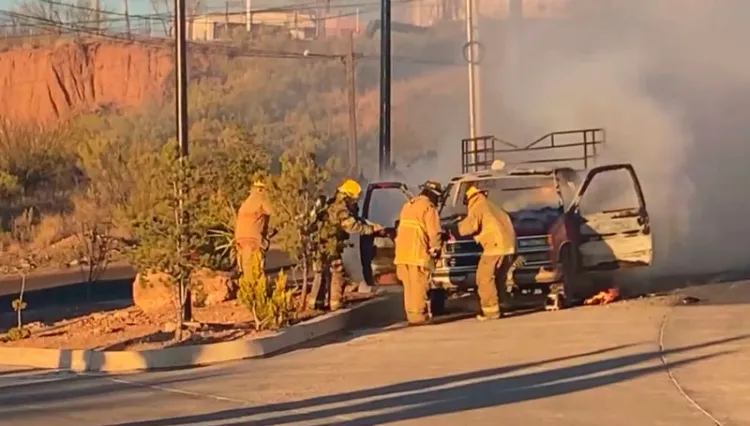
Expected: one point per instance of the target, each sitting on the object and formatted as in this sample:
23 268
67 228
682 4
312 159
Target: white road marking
673 379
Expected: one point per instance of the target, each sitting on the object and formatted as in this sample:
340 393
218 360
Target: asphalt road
65 287
641 362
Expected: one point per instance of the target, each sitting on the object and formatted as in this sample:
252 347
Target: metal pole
385 87
182 139
352 95
249 15
470 43
475 18
127 16
226 21
98 16
470 40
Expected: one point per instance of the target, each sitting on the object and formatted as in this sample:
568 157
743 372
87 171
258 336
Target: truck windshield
512 193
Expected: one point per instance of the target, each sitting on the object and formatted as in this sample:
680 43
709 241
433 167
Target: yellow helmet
258 183
351 188
471 191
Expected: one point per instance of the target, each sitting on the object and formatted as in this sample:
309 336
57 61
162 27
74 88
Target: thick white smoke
670 82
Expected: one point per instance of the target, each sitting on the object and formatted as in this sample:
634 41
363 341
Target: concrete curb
186 356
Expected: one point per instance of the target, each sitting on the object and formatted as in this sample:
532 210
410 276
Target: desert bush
10 186
271 307
23 227
95 243
37 157
50 229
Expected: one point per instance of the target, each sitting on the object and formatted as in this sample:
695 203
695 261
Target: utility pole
182 139
352 95
98 15
249 15
385 87
473 70
226 21
127 16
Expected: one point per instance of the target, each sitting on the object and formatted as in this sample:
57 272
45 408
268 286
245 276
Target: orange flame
603 297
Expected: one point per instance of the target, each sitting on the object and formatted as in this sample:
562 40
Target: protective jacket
346 222
490 225
418 233
251 230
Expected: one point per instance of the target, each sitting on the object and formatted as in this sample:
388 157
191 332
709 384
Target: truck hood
527 222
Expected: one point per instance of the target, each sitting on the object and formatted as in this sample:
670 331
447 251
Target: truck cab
569 223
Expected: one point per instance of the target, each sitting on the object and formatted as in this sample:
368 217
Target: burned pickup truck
571 223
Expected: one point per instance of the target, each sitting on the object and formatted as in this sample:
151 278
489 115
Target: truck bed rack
479 153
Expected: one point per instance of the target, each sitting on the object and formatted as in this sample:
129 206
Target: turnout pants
333 284
416 284
492 274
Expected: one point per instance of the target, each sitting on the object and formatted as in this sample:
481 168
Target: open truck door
610 223
382 204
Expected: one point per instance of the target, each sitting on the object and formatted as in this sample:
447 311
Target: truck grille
460 261
465 253
462 247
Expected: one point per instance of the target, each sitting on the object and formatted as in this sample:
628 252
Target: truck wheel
438 297
571 278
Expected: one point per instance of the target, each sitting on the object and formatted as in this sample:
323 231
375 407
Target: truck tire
571 277
438 297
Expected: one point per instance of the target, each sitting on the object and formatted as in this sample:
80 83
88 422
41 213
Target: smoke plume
668 79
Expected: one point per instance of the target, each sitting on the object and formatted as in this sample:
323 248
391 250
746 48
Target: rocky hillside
53 83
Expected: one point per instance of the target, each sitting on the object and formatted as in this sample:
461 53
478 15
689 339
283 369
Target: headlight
534 242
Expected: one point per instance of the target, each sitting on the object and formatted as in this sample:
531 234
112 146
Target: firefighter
340 215
417 245
492 228
251 231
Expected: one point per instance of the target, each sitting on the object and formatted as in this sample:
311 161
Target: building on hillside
299 25
427 13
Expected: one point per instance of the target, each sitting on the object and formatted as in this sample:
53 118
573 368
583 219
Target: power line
228 48
287 7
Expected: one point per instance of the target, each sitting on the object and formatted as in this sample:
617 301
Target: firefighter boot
338 282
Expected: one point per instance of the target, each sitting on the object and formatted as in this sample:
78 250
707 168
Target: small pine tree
167 242
271 308
282 300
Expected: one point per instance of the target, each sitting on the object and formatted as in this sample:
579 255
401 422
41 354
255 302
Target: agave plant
223 235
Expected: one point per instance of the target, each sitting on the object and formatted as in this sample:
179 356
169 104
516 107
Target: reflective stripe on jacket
418 232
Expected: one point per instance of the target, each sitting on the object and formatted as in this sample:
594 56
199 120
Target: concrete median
378 311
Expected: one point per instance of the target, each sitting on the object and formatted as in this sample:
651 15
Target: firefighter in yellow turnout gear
341 215
251 230
417 245
492 228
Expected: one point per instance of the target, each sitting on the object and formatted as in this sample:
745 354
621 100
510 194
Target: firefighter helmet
433 187
351 188
471 191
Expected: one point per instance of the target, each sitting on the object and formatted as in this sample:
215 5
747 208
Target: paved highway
642 362
68 287
115 272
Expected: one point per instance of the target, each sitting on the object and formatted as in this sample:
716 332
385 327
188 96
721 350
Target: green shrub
271 307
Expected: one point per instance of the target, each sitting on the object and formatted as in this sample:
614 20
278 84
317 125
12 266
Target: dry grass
49 230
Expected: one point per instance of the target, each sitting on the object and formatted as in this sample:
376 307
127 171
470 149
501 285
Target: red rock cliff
52 83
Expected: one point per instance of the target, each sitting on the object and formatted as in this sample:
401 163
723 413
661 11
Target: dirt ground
129 328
